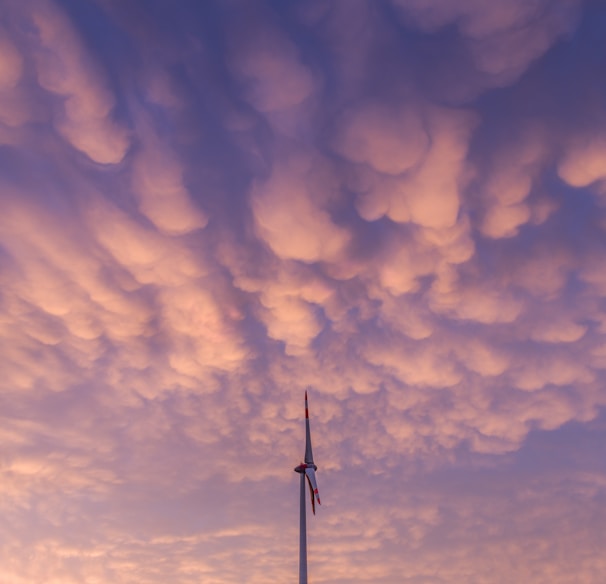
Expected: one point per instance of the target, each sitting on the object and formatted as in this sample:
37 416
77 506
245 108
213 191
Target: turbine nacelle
301 468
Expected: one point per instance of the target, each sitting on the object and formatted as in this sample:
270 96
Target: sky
207 208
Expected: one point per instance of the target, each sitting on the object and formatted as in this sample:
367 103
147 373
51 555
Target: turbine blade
309 457
311 496
310 473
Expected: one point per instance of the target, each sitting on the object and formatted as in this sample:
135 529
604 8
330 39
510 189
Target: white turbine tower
307 470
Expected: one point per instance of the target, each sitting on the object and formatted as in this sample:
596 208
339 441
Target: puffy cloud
509 183
65 68
433 192
390 142
292 217
270 69
15 103
429 178
11 64
583 163
503 38
163 198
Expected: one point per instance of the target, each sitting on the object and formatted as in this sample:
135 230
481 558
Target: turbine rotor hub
301 468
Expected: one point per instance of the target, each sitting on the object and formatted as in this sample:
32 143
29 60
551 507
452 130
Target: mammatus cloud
83 115
230 202
289 214
502 39
163 198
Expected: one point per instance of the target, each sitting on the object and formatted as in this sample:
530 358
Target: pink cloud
272 73
390 141
162 195
505 37
292 218
292 208
11 64
583 162
66 69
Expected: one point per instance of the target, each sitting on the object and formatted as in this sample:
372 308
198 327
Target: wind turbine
307 470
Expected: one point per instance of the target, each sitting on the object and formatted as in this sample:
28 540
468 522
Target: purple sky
207 207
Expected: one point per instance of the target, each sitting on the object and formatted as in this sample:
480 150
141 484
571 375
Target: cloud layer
209 207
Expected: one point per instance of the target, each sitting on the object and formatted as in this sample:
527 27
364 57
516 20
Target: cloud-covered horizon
209 207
